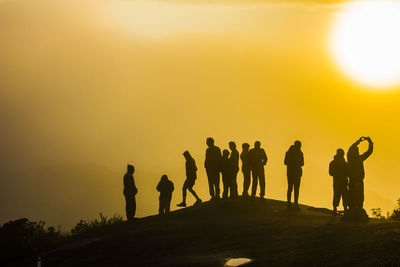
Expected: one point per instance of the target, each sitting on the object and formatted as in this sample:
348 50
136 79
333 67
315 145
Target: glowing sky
88 86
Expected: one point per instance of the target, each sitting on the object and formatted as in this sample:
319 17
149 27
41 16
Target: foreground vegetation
25 239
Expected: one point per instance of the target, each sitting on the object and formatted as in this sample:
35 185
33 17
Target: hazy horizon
90 86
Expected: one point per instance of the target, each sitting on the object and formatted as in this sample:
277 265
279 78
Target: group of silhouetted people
347 176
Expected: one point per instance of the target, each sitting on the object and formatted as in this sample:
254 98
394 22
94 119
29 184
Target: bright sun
366 42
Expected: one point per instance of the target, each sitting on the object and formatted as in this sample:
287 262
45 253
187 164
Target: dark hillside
259 229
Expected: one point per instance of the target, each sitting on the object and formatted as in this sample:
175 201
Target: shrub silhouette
83 226
22 238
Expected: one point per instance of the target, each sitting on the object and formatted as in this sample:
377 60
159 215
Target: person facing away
212 165
165 187
226 170
294 161
356 172
245 168
191 176
130 192
257 159
339 171
234 163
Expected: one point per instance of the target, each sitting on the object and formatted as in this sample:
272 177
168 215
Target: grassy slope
254 228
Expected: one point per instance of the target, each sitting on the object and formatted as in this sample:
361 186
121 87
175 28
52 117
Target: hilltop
260 229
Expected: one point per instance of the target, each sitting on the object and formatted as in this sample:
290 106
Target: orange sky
88 86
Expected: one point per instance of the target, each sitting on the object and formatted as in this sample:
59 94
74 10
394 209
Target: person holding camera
356 173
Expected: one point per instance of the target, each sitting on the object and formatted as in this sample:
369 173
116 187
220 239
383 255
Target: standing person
234 163
257 159
226 170
356 173
338 170
245 169
165 187
130 192
212 165
294 161
191 176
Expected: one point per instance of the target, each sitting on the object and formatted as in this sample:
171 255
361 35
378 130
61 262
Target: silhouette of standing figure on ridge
257 159
245 168
212 165
165 187
234 163
338 170
130 192
226 169
294 161
191 176
356 173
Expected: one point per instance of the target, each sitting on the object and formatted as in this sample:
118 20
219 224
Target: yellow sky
88 86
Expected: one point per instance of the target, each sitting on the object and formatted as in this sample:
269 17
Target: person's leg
289 190
246 182
194 193
336 194
262 182
185 187
254 173
168 205
234 190
216 183
210 182
345 196
133 207
128 208
362 194
296 190
225 184
161 207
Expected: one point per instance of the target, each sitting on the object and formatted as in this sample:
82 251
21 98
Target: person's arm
370 149
302 159
331 171
265 158
134 187
205 161
286 159
159 186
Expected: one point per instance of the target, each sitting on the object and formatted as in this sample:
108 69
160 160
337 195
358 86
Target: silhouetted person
294 161
245 169
356 173
234 163
130 192
165 187
226 170
339 171
212 165
257 159
191 176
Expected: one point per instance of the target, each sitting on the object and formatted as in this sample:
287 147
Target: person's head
340 153
164 178
232 145
225 153
257 144
245 146
210 142
186 154
353 152
297 144
130 169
